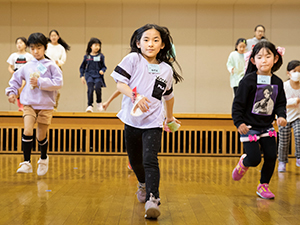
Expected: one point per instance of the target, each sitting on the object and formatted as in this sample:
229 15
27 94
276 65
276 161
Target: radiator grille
84 140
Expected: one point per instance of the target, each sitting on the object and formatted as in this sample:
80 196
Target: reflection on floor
101 190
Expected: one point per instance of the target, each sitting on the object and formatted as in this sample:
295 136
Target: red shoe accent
129 166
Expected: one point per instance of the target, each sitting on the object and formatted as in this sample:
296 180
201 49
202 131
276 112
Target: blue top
91 65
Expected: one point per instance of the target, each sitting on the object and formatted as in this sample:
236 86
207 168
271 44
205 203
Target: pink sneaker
281 167
240 170
141 193
298 162
263 191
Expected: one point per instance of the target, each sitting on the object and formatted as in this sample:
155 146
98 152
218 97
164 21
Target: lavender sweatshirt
49 82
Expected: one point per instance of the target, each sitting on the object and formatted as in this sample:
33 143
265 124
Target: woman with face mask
292 92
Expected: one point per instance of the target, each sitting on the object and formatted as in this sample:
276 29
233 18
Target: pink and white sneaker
263 191
281 167
240 170
141 193
298 162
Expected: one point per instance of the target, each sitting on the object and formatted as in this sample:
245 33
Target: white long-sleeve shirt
293 112
236 61
56 53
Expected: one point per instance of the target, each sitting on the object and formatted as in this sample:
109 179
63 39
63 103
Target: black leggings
142 147
253 158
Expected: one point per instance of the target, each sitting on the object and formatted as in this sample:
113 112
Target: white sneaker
281 167
25 167
100 107
43 166
152 208
89 109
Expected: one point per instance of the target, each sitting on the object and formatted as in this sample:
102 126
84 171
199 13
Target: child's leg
284 142
296 128
151 146
134 147
27 137
270 154
253 157
90 93
42 139
98 92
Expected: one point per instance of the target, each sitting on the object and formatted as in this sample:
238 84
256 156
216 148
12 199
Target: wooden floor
101 190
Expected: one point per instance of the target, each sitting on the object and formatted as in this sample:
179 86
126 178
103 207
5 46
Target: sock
43 145
27 142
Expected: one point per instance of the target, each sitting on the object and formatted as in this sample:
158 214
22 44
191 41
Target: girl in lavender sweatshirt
43 78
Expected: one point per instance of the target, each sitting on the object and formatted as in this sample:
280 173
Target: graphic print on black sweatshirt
265 99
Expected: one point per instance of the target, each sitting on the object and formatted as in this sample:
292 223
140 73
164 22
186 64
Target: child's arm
292 102
111 98
11 69
126 90
103 69
50 84
82 68
62 59
14 83
229 64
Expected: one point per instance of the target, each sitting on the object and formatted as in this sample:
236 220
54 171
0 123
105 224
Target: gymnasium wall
204 35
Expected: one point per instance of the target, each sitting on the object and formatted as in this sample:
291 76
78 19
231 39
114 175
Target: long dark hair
269 48
38 38
166 54
91 42
60 40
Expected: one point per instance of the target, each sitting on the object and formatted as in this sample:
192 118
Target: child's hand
33 82
83 80
105 105
298 101
168 120
12 98
101 72
142 104
232 70
281 122
243 129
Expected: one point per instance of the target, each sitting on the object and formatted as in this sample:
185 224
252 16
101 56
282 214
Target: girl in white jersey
292 93
148 70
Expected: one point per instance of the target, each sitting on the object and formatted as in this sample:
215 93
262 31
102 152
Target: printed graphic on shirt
265 99
159 87
20 61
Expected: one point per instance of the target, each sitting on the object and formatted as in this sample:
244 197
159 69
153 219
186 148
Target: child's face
267 93
54 37
20 45
38 51
241 47
259 33
264 61
150 44
95 48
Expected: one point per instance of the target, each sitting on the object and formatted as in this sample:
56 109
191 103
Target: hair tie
280 50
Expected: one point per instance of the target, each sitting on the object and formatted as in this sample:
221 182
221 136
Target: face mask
295 76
